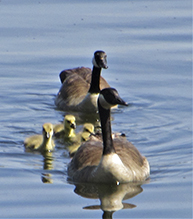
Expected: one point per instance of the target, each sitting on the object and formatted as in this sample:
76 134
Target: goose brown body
110 160
81 86
88 158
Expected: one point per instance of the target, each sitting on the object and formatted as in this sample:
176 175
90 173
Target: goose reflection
47 165
111 196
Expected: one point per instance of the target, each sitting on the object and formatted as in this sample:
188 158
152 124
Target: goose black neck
95 80
105 118
108 214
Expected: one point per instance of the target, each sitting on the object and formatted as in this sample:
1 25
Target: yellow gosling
42 142
66 130
88 131
88 128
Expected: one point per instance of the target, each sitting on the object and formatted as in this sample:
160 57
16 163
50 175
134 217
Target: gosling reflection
110 196
48 165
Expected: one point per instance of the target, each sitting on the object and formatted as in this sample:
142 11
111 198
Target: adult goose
113 160
81 86
42 142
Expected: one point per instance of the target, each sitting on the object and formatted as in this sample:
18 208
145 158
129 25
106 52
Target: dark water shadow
111 196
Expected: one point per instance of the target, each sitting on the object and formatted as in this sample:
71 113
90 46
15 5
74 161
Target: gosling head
89 128
109 97
47 130
100 59
69 122
85 136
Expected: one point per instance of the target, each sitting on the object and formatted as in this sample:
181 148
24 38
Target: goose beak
120 101
104 63
73 126
104 66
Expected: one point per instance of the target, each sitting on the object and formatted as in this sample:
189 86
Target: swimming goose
66 129
111 161
42 142
81 86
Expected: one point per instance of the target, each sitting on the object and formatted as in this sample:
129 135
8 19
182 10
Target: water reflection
111 196
47 165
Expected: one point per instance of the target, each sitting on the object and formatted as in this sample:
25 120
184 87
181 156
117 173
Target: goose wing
128 153
132 159
83 72
73 90
89 154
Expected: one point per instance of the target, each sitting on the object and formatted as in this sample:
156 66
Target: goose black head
100 59
109 97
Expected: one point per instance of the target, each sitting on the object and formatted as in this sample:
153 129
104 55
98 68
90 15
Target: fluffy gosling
42 142
66 129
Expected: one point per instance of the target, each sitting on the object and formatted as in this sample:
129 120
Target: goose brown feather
110 160
89 156
77 83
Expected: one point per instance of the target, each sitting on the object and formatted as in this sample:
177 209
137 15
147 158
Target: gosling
42 142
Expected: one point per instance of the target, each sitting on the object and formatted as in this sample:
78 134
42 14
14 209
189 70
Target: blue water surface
149 50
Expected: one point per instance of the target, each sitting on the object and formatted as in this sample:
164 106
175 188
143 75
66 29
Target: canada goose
42 142
81 86
66 129
111 161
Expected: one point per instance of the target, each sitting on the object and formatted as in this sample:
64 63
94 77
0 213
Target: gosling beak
92 134
73 126
47 135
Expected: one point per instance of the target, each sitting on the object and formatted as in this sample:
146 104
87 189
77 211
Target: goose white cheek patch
94 62
104 103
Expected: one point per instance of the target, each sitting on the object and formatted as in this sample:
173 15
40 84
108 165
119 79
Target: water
148 44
